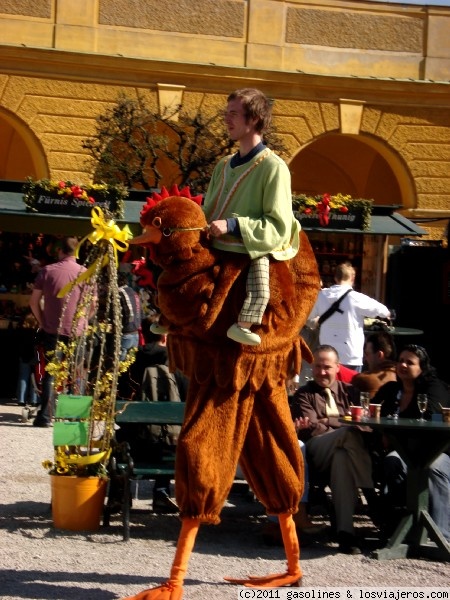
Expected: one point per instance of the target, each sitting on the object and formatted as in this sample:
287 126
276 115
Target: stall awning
383 221
394 224
14 218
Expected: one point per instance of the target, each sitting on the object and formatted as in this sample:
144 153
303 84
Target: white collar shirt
345 331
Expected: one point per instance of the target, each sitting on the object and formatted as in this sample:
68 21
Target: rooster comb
174 191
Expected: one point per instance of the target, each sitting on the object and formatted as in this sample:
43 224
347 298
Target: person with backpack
131 316
340 311
149 380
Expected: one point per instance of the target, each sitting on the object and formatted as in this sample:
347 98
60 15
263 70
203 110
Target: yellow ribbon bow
107 230
103 230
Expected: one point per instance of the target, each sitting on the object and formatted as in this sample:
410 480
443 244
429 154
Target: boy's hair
147 334
344 272
256 106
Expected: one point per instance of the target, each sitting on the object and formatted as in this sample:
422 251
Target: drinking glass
364 399
422 403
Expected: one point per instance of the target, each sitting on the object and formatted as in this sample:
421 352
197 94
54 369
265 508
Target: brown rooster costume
237 408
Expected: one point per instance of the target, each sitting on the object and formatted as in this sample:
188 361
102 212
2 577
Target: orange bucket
77 502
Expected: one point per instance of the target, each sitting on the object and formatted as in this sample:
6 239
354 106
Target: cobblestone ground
40 562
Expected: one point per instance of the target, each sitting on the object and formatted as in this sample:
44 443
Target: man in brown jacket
332 447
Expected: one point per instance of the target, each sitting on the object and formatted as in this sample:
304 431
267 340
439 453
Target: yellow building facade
361 89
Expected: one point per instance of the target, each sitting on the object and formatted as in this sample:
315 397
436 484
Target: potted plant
85 372
66 197
335 211
78 490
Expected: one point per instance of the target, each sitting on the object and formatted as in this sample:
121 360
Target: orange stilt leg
293 575
173 588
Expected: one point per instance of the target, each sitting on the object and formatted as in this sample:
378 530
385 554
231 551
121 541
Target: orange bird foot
269 581
162 592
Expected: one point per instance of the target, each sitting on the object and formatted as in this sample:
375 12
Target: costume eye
166 231
156 222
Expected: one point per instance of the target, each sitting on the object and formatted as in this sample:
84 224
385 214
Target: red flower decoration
323 208
343 209
77 192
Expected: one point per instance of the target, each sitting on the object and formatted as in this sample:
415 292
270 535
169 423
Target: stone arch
360 165
21 152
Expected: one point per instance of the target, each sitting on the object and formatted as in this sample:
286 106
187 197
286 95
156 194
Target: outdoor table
406 331
398 331
418 443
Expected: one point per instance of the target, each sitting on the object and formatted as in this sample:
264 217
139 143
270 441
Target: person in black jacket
153 352
131 387
398 399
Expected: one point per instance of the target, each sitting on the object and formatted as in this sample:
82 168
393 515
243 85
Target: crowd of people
52 318
349 459
356 460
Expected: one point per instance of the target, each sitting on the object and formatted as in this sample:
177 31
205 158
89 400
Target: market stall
367 249
25 244
365 243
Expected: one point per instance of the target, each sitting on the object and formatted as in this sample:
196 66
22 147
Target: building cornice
128 71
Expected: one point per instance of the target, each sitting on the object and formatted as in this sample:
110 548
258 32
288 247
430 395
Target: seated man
332 447
379 360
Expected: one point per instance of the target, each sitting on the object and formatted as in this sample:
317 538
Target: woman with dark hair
415 375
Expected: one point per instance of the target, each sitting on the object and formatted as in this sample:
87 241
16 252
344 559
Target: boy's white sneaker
243 335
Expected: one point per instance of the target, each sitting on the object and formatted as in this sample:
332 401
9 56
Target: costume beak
150 235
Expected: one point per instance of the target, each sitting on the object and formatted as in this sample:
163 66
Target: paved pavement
40 562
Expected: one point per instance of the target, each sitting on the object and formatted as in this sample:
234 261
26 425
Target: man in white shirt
344 329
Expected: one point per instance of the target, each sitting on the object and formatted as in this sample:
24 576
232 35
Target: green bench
123 469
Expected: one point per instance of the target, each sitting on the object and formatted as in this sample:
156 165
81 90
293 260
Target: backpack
150 443
159 385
